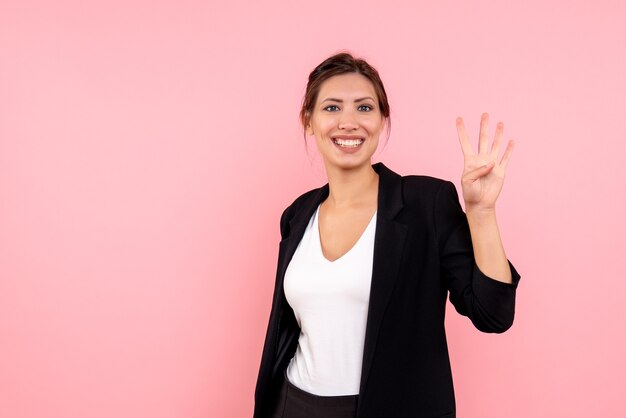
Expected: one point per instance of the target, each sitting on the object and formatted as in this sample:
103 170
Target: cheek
324 125
374 125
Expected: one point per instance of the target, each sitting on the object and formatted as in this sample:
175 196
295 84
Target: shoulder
414 188
421 189
301 201
422 183
304 198
431 201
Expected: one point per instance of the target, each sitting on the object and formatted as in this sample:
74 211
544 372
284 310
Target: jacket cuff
490 283
496 298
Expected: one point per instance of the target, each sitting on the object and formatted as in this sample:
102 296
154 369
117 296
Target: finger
479 172
507 154
495 147
466 147
482 136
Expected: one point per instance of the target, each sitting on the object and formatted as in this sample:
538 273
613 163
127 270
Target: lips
348 142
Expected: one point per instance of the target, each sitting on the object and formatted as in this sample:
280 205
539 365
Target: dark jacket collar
389 200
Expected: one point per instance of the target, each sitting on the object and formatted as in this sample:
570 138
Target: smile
348 143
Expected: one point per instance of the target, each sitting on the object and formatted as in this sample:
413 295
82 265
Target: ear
308 130
385 124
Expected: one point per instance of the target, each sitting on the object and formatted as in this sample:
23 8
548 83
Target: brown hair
342 63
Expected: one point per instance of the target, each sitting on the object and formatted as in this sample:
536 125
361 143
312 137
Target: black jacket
422 250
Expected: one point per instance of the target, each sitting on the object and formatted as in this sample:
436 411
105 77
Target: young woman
366 263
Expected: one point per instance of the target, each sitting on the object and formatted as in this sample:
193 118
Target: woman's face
346 121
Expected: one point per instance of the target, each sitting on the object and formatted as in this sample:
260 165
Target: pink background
147 149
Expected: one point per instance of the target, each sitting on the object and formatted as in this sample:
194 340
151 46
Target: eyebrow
332 99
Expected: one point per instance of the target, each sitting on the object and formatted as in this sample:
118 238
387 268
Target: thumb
479 172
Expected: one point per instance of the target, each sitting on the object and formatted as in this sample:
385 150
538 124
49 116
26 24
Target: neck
354 186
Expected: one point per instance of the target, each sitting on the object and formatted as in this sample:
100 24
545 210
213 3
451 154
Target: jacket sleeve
263 388
488 303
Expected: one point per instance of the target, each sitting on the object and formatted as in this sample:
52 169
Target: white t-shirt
330 302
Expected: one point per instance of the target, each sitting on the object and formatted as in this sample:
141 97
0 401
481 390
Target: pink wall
148 148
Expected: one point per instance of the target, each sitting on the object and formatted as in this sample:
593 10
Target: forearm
488 249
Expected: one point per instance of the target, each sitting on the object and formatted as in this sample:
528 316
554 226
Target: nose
347 120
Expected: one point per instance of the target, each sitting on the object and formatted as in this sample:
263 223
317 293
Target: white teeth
350 143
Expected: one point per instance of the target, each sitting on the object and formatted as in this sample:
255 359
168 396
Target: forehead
346 87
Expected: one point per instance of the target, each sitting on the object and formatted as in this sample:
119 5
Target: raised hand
483 175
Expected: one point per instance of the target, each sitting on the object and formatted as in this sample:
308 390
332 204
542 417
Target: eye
332 108
365 108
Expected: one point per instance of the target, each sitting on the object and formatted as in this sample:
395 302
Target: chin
349 165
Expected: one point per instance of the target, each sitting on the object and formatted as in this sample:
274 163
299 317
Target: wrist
479 208
480 213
